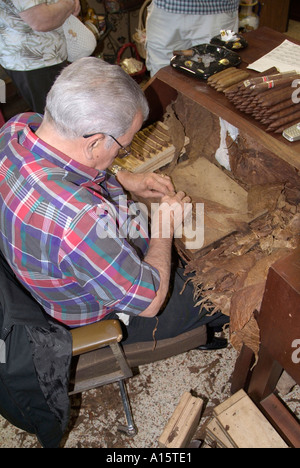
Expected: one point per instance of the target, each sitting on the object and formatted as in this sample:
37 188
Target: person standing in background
33 47
182 24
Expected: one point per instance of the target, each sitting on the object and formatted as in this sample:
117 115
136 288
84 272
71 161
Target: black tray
238 44
205 60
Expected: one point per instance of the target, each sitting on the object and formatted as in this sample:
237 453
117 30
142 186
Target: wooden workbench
199 108
234 237
167 83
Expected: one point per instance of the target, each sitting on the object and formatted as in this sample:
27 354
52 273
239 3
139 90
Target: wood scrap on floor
238 423
183 424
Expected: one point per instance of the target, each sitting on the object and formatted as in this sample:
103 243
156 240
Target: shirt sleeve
105 265
23 5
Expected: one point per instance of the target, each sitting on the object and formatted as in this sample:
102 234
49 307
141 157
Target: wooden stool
88 339
279 323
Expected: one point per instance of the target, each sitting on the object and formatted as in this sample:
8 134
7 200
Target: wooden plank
180 429
216 435
245 425
282 419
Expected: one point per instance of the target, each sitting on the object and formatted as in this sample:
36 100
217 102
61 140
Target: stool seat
95 336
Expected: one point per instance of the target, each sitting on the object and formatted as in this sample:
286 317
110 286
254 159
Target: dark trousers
178 316
34 85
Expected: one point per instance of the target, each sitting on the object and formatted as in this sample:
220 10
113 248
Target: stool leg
130 429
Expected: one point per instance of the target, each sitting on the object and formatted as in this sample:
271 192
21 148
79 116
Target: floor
154 394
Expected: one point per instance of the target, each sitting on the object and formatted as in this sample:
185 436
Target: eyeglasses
122 151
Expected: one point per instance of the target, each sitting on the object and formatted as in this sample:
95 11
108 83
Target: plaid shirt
55 215
198 7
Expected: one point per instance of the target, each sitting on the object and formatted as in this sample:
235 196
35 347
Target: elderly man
62 223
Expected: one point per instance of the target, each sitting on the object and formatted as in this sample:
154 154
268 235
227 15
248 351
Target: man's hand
159 253
169 217
147 186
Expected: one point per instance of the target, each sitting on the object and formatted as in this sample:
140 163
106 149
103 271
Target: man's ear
91 144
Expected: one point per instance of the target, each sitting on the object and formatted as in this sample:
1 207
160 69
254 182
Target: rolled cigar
155 137
137 155
268 85
144 150
264 78
284 121
146 142
285 112
281 129
186 53
129 165
259 98
232 90
282 105
275 97
231 80
216 76
217 81
162 131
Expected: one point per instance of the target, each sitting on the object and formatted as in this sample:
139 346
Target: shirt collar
29 140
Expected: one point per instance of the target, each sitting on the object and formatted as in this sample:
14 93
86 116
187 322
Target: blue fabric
198 7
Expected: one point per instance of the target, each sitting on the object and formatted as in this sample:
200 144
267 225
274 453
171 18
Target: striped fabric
198 7
56 215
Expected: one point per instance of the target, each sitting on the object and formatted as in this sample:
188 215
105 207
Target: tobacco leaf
176 132
264 197
243 304
232 277
249 335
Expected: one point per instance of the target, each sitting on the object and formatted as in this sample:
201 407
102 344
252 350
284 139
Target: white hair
92 96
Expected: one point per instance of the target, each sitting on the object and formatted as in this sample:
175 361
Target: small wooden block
216 435
244 425
180 429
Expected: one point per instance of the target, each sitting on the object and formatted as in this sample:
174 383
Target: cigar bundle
269 99
227 78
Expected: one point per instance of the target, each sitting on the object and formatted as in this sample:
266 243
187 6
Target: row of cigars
270 99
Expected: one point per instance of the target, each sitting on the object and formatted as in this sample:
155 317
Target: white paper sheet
285 57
